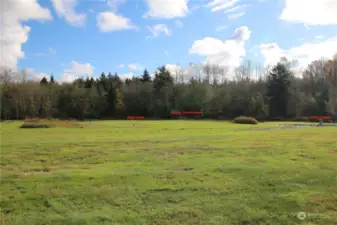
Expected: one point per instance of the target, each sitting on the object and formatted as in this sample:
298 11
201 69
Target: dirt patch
166 155
48 169
258 161
317 197
307 156
316 200
207 147
36 171
236 155
183 169
165 190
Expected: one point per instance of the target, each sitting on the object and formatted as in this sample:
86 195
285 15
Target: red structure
135 117
185 113
321 117
175 113
192 113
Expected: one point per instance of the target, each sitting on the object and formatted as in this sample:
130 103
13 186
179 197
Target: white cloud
39 76
121 66
241 34
217 5
23 10
237 11
167 9
173 68
238 8
80 69
310 12
135 66
65 9
159 28
52 50
235 15
114 4
77 70
303 54
228 53
109 21
271 52
166 52
13 33
181 74
319 37
152 75
179 24
32 75
220 28
229 7
126 76
207 46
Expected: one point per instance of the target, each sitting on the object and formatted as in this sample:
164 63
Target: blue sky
67 38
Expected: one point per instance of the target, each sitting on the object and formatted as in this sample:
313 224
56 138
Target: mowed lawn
167 173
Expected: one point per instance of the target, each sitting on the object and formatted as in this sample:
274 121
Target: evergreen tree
103 76
117 81
92 81
79 82
163 90
52 81
89 82
44 81
146 76
278 90
103 82
128 81
162 78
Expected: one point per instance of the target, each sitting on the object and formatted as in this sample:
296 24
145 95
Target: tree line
278 94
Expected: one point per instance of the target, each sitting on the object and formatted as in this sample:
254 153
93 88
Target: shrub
48 123
245 120
35 125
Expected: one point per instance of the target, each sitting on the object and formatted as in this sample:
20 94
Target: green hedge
245 120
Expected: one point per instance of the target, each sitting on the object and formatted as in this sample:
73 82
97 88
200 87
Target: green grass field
167 173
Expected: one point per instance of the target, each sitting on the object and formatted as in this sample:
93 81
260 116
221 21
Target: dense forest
279 93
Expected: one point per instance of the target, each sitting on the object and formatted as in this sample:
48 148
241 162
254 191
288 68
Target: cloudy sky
70 38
